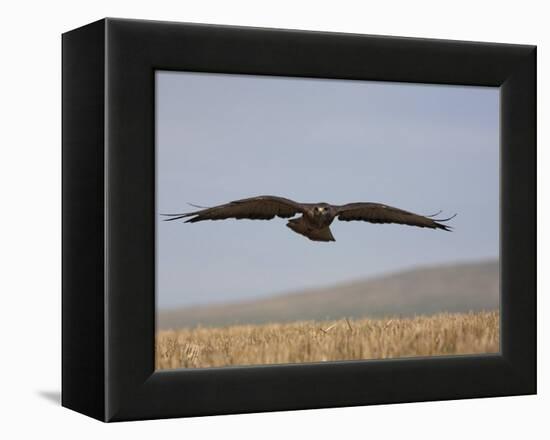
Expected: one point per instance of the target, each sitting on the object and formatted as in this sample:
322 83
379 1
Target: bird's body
314 222
316 218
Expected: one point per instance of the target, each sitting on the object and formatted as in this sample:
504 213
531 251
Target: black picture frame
108 297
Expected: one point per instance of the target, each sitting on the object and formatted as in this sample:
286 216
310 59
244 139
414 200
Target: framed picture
264 219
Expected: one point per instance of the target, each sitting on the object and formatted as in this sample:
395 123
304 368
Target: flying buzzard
315 218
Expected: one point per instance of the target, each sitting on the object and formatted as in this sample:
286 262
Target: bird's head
322 209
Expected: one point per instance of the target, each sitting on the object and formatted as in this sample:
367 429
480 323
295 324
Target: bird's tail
299 226
183 214
176 216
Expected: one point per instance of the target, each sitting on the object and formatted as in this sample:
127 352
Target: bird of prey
315 218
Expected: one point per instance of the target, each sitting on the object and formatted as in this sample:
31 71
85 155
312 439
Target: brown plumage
316 218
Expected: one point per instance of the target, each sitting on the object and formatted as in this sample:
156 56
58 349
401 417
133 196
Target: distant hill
422 291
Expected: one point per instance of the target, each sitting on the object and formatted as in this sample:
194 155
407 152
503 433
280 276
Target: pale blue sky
223 137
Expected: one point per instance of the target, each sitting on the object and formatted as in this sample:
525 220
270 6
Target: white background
30 220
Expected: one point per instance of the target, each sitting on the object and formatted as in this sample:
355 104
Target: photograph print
307 220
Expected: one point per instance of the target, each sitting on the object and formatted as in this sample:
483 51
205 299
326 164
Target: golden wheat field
315 341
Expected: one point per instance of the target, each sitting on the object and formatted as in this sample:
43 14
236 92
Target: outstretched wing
378 213
254 208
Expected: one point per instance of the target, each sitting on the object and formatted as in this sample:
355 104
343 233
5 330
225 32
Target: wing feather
379 213
254 208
